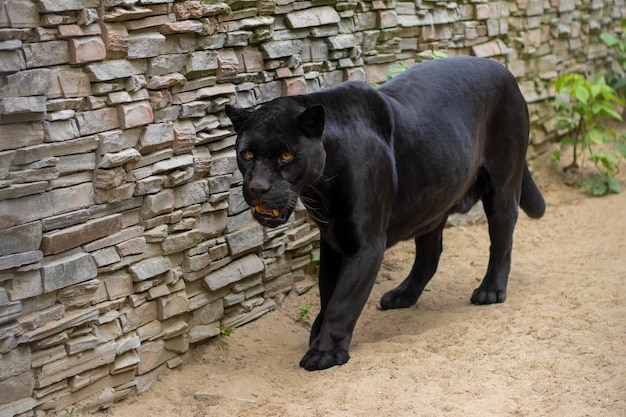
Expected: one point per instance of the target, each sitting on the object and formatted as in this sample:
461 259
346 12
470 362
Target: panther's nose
259 186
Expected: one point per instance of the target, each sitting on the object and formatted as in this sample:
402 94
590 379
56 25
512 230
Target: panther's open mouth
267 212
270 217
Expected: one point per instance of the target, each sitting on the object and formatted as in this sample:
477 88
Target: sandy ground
556 347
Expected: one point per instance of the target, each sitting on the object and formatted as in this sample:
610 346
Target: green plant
617 78
305 311
398 67
226 331
437 54
583 108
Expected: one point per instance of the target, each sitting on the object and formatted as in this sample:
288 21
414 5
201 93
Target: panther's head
279 152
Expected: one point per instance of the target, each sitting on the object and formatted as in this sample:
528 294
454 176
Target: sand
556 347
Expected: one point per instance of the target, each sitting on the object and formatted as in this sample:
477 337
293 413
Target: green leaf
560 105
582 94
613 184
609 39
611 157
395 69
621 147
621 83
569 140
596 136
437 54
597 185
564 124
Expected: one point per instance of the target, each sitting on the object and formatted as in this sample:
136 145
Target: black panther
377 166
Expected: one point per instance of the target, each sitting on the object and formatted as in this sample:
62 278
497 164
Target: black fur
377 166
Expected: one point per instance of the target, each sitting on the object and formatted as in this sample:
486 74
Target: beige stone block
138 316
178 345
115 37
132 246
81 344
118 285
79 295
172 305
183 26
86 49
19 135
124 362
153 354
188 10
135 114
295 85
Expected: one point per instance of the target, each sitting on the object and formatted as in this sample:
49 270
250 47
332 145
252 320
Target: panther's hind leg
501 208
428 249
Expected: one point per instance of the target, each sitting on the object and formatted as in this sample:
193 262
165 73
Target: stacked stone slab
124 236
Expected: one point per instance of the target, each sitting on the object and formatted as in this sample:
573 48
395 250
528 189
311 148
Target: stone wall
124 238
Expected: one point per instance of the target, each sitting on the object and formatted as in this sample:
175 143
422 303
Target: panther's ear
237 116
312 120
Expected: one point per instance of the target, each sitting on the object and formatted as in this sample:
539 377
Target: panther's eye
248 155
286 157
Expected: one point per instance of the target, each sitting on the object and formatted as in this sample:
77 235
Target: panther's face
280 153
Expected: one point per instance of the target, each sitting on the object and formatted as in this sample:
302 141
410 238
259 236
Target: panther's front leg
343 296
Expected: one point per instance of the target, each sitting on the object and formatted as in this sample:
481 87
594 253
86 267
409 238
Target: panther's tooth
257 209
275 213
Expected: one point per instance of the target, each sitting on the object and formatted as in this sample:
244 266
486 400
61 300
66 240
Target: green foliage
617 78
398 67
583 108
395 69
304 311
226 331
437 54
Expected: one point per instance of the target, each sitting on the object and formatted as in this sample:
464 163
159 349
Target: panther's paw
316 360
483 296
397 299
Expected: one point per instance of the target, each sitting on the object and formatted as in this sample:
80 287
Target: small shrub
226 331
305 311
583 109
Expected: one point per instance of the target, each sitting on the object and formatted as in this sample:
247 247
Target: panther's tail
531 201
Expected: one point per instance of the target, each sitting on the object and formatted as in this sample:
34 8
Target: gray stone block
75 364
20 259
316 16
234 271
192 193
181 241
149 268
68 270
245 240
21 238
43 54
110 70
281 49
13 105
48 6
